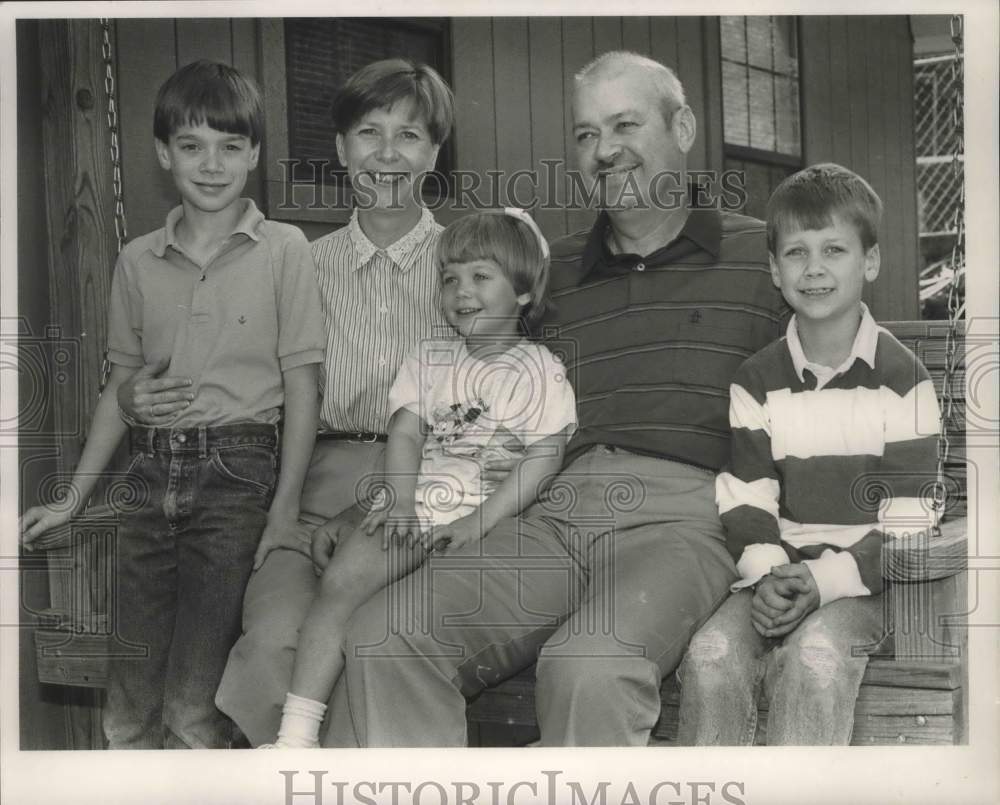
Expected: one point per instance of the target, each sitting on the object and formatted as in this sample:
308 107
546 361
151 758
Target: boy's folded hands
782 599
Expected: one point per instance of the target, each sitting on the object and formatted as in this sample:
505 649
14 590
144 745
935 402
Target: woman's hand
154 400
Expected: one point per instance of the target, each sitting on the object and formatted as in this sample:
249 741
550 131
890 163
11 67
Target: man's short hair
382 84
665 80
210 93
810 198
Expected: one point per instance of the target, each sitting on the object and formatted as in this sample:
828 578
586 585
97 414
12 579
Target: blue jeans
811 676
183 559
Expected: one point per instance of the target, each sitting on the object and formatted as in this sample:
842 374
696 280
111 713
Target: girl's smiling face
480 302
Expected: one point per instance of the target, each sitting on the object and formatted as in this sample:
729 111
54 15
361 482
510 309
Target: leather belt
356 436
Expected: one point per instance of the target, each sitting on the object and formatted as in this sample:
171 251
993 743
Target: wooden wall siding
502 127
148 51
513 84
857 102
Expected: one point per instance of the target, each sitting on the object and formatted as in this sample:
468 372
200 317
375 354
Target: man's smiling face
623 142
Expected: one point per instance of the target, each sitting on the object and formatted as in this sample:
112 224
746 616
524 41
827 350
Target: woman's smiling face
386 153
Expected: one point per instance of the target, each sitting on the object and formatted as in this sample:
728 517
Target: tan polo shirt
233 326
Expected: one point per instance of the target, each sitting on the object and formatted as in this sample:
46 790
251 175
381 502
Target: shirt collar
865 343
402 252
702 230
248 223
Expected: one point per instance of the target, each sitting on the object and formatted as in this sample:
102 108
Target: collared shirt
653 341
232 326
823 473
378 303
863 348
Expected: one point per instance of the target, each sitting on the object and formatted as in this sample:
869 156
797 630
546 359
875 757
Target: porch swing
913 689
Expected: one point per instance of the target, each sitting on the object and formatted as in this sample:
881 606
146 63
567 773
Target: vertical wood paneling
857 92
815 79
547 120
245 59
891 236
690 44
204 39
578 49
857 99
607 34
906 143
838 116
149 192
663 36
711 123
636 35
272 84
475 112
889 287
511 78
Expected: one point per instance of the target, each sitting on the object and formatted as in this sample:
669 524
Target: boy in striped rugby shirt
821 419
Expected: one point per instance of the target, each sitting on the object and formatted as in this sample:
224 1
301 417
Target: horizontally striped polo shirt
653 341
825 463
378 304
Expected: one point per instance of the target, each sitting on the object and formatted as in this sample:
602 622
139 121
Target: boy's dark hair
382 84
810 198
209 93
512 245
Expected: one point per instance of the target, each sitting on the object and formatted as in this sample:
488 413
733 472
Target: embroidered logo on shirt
695 316
242 320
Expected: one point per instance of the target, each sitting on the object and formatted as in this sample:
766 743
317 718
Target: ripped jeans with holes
809 678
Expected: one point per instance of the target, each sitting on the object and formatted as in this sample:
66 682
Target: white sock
300 722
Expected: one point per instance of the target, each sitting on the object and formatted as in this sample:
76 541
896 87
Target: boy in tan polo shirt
231 300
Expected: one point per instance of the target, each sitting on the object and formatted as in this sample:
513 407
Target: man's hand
39 519
806 599
154 400
327 535
282 531
497 469
455 534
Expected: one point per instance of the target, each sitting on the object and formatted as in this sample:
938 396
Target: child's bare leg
359 568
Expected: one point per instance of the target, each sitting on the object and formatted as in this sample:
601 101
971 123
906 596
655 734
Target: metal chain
121 229
956 264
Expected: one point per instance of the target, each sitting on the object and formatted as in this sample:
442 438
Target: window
760 103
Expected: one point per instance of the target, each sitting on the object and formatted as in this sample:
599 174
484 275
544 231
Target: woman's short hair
382 84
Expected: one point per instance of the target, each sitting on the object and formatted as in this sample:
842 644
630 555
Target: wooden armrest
926 557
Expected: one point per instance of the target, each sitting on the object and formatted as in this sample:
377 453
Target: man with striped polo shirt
606 577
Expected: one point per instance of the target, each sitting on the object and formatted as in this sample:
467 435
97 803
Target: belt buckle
367 438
